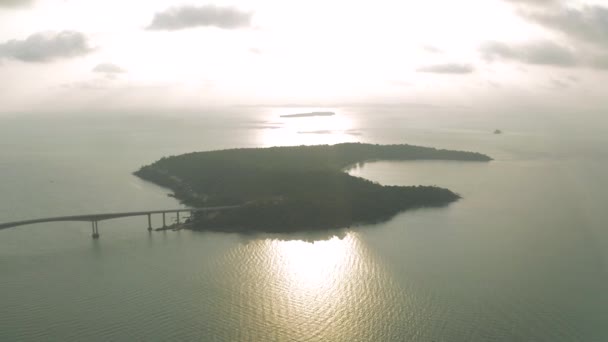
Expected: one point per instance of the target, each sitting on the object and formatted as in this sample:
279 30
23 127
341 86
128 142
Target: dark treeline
295 188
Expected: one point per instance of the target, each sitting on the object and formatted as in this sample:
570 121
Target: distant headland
307 115
301 188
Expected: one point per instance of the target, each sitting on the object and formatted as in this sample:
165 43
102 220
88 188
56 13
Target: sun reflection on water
315 266
326 290
313 130
315 283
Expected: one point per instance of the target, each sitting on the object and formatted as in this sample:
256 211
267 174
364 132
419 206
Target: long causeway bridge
95 218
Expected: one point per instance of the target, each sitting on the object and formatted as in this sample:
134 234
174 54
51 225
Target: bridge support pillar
95 234
164 224
150 222
178 217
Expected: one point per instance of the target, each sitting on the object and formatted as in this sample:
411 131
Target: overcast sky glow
116 54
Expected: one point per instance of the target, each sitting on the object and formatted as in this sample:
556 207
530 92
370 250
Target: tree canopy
296 188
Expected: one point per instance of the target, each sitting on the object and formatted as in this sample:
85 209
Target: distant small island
307 115
301 188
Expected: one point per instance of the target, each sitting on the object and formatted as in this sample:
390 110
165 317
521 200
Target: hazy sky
119 54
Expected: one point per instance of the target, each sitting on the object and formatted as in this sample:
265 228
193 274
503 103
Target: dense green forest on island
283 189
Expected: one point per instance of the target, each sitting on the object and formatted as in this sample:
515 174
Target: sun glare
312 285
315 266
312 130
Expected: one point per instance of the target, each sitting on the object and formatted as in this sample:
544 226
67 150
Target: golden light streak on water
314 130
311 268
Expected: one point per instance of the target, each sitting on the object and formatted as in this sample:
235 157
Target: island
308 115
299 188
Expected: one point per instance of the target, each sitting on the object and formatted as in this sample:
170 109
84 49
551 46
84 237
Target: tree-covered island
285 189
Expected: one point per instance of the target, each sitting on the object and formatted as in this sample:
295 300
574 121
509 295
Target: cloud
539 3
96 84
599 62
559 84
590 23
15 3
448 68
178 18
585 27
537 52
431 49
45 47
108 68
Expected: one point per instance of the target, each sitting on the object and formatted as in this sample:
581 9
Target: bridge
95 218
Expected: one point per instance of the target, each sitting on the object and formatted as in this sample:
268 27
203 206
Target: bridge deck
108 216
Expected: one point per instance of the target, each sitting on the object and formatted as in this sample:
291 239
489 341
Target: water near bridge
523 257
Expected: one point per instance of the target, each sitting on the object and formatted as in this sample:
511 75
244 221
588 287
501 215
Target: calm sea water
522 257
